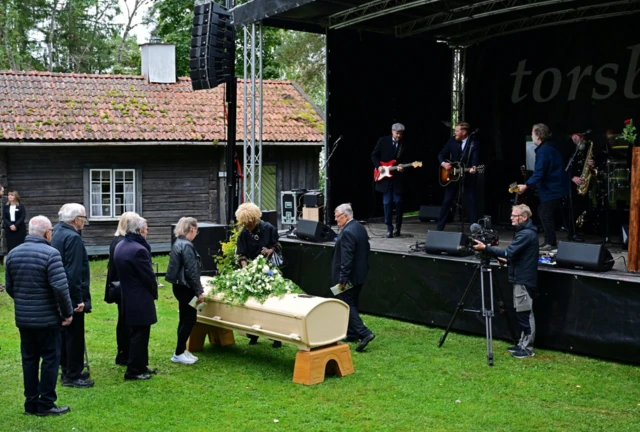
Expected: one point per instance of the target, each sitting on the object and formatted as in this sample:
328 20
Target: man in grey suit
350 266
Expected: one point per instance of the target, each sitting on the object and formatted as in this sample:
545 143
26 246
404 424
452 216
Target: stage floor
414 232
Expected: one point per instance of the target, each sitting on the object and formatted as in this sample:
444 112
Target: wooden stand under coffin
315 325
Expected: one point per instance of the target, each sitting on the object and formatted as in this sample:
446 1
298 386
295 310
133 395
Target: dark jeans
356 328
122 337
387 199
72 355
36 344
138 350
572 206
469 201
546 211
188 315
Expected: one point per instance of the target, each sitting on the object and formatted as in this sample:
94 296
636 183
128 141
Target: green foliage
227 262
629 131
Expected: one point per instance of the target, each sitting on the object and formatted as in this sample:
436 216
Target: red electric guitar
387 168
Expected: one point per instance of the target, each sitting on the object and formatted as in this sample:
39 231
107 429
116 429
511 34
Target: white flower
265 269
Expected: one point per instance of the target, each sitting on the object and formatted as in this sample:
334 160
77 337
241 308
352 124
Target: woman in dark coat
112 294
183 273
132 258
14 216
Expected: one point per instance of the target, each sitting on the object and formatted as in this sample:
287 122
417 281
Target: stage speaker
207 242
584 256
270 216
429 213
447 243
625 235
313 199
212 39
314 231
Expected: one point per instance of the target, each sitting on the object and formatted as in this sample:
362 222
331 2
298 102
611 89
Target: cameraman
522 256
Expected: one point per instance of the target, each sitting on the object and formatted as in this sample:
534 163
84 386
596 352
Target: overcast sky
140 31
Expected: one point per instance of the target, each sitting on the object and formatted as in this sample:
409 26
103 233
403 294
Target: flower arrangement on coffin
629 131
258 280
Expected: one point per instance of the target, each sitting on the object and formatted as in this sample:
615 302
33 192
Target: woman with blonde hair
112 292
183 273
14 216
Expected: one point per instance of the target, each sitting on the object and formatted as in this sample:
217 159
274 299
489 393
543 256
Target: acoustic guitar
455 173
513 188
386 169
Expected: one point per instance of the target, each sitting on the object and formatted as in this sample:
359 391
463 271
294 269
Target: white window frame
134 195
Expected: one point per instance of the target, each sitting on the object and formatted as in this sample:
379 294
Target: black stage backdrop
374 81
571 77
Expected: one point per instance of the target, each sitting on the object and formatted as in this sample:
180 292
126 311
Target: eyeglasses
339 215
515 216
82 217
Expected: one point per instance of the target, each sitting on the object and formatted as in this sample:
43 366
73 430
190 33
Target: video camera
483 232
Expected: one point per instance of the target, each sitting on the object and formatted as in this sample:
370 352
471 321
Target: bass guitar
455 173
387 168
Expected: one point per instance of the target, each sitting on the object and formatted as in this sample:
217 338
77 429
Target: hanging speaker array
211 56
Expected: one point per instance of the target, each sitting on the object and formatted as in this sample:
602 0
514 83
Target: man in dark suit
350 265
463 148
391 148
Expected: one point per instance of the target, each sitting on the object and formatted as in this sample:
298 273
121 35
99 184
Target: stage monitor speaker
207 242
314 231
447 243
270 216
313 199
429 213
584 256
625 235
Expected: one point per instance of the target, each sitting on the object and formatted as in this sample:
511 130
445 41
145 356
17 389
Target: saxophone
587 171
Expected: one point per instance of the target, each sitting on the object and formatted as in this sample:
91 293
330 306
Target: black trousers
572 206
187 316
15 238
469 201
138 350
546 212
35 344
122 337
356 328
72 356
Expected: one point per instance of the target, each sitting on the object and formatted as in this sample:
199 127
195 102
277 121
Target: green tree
18 20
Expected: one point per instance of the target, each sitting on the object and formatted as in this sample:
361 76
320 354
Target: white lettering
604 81
632 72
537 85
519 74
575 81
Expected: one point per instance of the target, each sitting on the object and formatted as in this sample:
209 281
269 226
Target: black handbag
115 294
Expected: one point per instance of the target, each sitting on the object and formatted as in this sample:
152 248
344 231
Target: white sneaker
191 356
182 358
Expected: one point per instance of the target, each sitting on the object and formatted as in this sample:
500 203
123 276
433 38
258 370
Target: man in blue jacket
36 281
522 257
551 180
68 241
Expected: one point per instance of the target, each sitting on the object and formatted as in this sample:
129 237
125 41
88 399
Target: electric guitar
387 168
513 188
455 173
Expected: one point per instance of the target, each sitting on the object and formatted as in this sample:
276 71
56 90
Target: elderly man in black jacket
350 266
36 281
139 287
522 257
68 241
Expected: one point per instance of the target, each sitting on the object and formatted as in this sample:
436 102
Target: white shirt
12 212
464 143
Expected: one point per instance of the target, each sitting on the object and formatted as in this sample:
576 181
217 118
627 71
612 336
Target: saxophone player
581 174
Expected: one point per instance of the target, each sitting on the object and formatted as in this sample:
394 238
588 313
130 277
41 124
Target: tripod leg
488 313
460 305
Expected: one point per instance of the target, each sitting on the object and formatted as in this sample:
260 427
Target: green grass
404 382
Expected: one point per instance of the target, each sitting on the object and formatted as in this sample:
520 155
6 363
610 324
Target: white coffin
300 319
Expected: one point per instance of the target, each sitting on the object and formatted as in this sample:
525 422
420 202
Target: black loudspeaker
270 216
625 235
313 199
212 39
207 242
429 213
447 243
314 231
584 256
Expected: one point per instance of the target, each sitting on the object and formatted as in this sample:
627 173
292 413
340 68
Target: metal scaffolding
457 85
252 107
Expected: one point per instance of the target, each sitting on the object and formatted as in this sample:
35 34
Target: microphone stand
327 204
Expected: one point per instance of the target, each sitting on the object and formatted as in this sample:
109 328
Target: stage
582 312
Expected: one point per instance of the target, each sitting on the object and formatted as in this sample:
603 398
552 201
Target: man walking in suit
465 149
387 149
350 266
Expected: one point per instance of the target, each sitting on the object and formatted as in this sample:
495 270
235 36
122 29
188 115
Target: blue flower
270 272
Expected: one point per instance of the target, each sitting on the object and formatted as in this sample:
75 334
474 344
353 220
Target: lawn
403 382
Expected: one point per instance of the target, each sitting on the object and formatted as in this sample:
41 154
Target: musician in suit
387 149
350 265
463 148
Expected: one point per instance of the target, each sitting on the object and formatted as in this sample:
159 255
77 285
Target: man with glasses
522 258
68 241
349 267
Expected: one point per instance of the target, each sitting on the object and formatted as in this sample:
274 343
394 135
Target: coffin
299 319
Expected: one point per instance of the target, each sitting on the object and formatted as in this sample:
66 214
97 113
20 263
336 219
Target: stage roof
457 22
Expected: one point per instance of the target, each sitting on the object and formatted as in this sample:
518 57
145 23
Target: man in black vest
391 149
463 148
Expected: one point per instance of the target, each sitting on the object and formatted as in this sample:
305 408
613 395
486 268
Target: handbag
276 259
115 293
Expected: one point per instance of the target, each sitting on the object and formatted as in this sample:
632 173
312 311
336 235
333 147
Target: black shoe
276 344
365 342
350 339
389 234
140 377
78 383
396 233
151 371
514 348
54 411
252 339
83 375
30 413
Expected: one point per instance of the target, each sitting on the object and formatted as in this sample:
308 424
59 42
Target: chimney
159 61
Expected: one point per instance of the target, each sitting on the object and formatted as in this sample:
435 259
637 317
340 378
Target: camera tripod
483 270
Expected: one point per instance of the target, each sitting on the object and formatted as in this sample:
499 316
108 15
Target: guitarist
463 148
390 148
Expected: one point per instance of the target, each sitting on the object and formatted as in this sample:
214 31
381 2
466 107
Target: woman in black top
14 216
